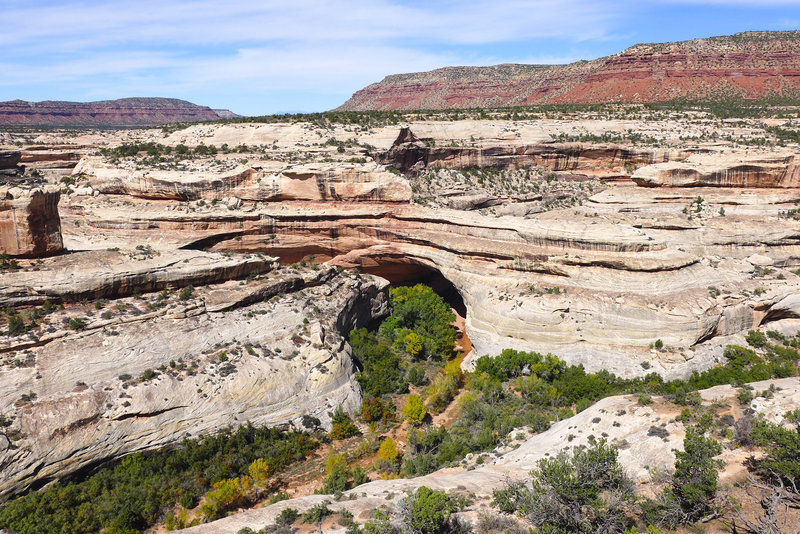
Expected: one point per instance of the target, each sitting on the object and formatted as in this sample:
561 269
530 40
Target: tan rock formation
602 160
284 360
346 182
106 274
29 221
9 158
761 170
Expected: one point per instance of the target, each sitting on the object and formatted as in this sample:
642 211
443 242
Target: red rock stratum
748 65
106 113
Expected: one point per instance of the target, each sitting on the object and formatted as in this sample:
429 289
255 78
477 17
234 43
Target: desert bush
414 410
583 492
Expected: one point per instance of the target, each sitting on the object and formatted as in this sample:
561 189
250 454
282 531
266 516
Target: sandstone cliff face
29 221
779 170
122 112
9 158
342 182
103 274
279 367
750 65
603 160
593 290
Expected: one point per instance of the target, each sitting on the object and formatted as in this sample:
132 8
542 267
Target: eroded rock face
9 158
29 221
780 170
103 274
574 157
122 112
345 182
597 290
285 358
750 65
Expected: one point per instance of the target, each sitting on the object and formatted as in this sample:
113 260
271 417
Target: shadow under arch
407 271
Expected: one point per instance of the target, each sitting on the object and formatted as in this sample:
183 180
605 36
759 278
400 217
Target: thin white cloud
211 22
209 47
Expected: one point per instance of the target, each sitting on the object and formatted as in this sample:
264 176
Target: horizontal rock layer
588 159
111 274
345 182
9 158
122 112
749 65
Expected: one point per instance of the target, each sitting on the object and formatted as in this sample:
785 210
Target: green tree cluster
136 493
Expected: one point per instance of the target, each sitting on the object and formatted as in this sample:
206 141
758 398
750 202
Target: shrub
388 450
338 474
696 473
442 392
690 498
756 339
77 323
223 496
416 376
414 411
260 471
428 511
511 363
16 324
381 372
287 516
376 409
782 447
419 310
317 513
148 374
186 293
586 492
342 427
310 422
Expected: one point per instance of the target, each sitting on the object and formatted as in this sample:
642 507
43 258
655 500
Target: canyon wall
746 65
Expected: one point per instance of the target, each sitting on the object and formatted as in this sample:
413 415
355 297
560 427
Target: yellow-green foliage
414 343
414 411
260 471
388 450
441 392
224 495
335 463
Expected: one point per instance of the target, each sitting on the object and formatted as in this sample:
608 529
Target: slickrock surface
29 221
749 65
284 357
122 112
620 419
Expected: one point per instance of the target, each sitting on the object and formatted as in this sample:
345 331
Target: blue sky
258 57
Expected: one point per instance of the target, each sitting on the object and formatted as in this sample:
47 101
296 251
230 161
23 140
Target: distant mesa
749 65
107 113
